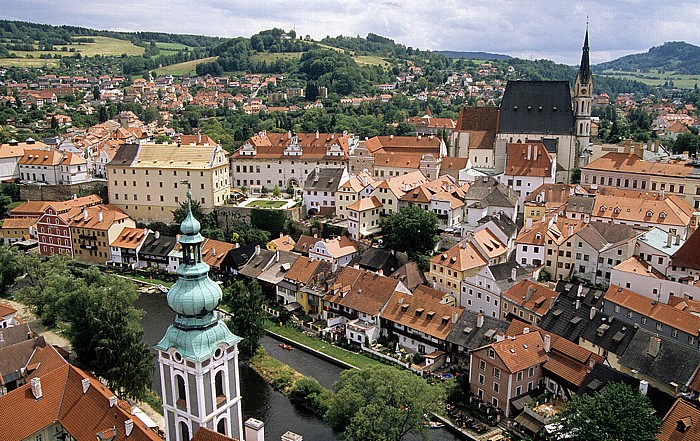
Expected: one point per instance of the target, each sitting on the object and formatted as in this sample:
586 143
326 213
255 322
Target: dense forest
677 56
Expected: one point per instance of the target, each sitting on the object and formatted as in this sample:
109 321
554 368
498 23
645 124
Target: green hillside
676 56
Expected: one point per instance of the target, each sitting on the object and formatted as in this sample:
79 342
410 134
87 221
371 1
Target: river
260 401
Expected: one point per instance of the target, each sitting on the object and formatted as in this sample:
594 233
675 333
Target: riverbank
280 376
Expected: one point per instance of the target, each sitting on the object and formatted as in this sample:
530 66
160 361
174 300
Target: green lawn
272 56
371 60
358 360
186 67
654 78
105 46
267 204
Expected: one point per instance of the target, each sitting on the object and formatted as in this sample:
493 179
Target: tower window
221 427
184 432
181 393
219 386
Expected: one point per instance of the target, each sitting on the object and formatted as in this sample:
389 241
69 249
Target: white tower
583 100
198 355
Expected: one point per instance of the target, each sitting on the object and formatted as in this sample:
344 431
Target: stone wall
227 215
60 192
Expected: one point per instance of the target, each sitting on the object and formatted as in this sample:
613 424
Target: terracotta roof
339 246
272 145
461 257
482 122
41 157
304 243
19 222
284 243
422 312
532 296
6 310
534 235
681 423
129 238
398 160
438 123
399 185
633 164
110 215
214 252
637 265
403 144
204 434
521 351
71 158
361 290
37 208
449 163
687 255
489 244
356 182
303 270
365 204
530 159
13 151
671 210
668 315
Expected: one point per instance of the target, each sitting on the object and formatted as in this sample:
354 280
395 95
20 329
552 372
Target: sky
532 29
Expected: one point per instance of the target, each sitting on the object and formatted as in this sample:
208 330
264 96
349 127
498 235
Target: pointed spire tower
198 355
583 101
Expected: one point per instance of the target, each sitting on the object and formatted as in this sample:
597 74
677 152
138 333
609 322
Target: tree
5 201
381 403
245 303
9 267
276 192
618 413
206 220
411 229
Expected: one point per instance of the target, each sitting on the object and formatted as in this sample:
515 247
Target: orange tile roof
531 295
356 182
422 312
110 215
19 222
461 257
304 243
681 423
482 123
403 144
668 315
398 160
489 243
340 246
637 265
633 164
534 235
450 163
71 158
399 185
129 238
361 290
6 310
302 270
37 208
564 228
214 252
539 163
521 352
41 157
284 243
676 211
204 434
365 204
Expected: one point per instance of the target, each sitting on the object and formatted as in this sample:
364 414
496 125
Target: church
531 111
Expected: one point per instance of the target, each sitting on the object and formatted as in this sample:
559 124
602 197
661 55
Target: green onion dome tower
198 355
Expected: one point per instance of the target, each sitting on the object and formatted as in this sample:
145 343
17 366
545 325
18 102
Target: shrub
282 381
310 394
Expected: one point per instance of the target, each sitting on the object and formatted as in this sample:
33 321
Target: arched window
219 386
181 393
184 432
221 427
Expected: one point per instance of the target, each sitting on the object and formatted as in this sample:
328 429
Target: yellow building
351 191
448 269
93 229
15 229
282 243
147 181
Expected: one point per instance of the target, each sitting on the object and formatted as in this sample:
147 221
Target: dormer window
603 208
617 210
650 213
662 215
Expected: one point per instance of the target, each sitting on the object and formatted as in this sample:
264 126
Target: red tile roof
681 423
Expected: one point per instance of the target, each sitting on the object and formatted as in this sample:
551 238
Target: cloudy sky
525 28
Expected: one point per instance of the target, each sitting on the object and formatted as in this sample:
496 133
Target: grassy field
272 56
654 78
357 360
27 62
105 46
372 60
187 67
267 204
168 48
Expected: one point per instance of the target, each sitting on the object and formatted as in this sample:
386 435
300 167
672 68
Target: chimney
128 426
526 330
316 134
277 256
580 291
36 387
578 303
85 214
112 401
592 313
400 300
334 266
530 292
534 153
291 436
75 196
100 216
678 239
455 316
199 137
654 346
480 320
157 234
281 234
289 134
528 222
529 151
213 251
662 193
391 136
669 239
514 273
86 385
257 250
547 343
643 387
635 373
571 230
254 430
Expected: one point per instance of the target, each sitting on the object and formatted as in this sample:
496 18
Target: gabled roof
214 252
531 295
681 423
570 313
339 246
324 179
531 159
602 235
421 312
15 334
461 257
633 164
37 208
410 275
41 157
482 123
158 246
283 243
403 144
204 434
376 259
687 255
534 235
303 269
521 351
272 145
130 238
468 334
542 107
19 222
304 243
364 204
257 263
669 210
361 290
278 267
110 215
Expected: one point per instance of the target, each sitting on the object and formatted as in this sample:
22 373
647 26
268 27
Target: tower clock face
584 91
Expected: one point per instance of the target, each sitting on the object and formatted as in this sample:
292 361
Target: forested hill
677 56
474 55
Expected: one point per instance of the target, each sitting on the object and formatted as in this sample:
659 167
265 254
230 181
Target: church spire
584 71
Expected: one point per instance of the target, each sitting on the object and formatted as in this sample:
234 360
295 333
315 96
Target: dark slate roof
602 375
238 257
14 334
160 246
542 107
564 319
503 271
489 192
125 155
614 339
323 179
675 362
475 337
410 275
257 263
375 259
502 221
581 204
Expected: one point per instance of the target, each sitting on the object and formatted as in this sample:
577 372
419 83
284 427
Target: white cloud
533 29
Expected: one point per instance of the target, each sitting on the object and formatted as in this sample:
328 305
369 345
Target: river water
260 401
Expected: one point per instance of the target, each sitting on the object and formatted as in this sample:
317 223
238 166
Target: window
519 377
674 333
482 365
221 426
494 401
481 378
219 386
496 372
181 392
492 353
530 373
496 387
659 326
184 431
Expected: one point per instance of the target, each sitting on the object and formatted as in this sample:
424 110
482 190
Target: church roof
537 107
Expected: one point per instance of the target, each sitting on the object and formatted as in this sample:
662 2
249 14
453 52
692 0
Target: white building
339 250
320 189
482 292
527 167
364 217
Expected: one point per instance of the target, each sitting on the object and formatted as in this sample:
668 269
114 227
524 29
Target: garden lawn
357 360
267 204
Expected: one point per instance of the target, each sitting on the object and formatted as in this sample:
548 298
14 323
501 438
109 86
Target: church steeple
584 71
583 102
198 355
